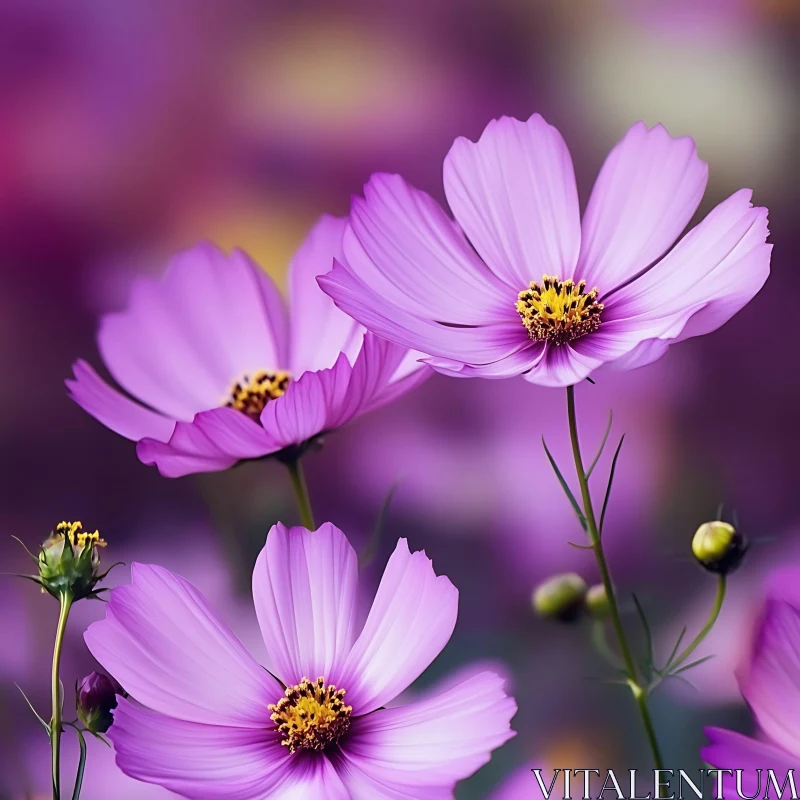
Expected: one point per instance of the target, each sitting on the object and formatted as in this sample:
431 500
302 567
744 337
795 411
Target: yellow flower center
558 311
76 535
251 395
311 716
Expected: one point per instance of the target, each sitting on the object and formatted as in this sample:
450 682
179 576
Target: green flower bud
597 602
560 597
719 547
96 697
69 561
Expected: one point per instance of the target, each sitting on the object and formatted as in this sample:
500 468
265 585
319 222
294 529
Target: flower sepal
69 562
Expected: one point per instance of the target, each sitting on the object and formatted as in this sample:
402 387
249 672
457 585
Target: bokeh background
133 128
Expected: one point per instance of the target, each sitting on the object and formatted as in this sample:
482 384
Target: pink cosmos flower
770 683
520 285
223 374
210 722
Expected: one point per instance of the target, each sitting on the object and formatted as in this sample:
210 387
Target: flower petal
562 366
372 786
729 750
372 381
165 644
404 247
709 275
411 620
647 191
197 760
117 412
214 440
438 740
327 399
320 331
304 589
479 344
184 339
771 684
513 192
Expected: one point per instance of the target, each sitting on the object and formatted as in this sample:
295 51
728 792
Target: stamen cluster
558 311
311 716
251 395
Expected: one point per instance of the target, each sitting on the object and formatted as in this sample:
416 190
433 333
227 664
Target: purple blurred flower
521 783
225 374
216 724
543 294
770 683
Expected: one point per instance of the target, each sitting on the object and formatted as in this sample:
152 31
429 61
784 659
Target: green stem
718 601
55 722
301 493
76 792
639 692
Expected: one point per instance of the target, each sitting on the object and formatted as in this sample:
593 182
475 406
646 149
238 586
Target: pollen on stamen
558 311
251 395
311 716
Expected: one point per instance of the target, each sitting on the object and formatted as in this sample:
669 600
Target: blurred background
131 129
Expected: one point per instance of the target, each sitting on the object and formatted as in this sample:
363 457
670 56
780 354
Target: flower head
719 547
560 597
520 285
210 722
69 561
770 683
96 698
223 374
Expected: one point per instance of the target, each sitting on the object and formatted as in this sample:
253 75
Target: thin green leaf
674 650
608 488
105 574
368 553
602 445
647 633
601 645
581 546
24 547
682 680
45 725
565 486
697 663
33 578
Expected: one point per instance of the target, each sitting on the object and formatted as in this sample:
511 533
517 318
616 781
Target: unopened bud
597 602
96 699
719 547
560 597
69 560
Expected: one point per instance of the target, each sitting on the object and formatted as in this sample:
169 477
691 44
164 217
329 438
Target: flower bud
96 699
597 602
69 560
560 597
719 547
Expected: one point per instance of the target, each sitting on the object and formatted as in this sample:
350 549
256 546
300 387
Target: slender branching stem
629 665
717 607
55 721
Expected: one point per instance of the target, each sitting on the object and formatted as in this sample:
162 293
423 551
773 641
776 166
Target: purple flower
520 285
213 723
223 374
770 683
